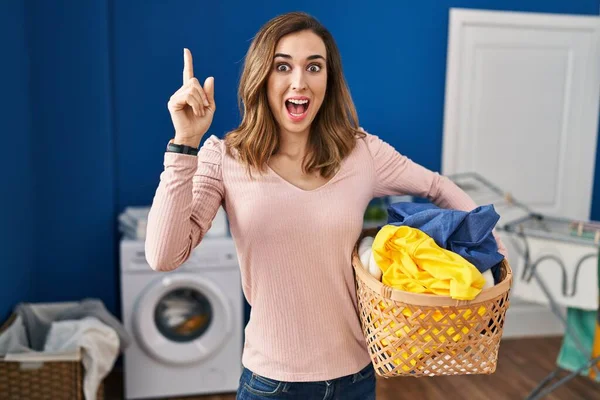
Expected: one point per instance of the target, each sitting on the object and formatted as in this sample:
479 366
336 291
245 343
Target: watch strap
182 149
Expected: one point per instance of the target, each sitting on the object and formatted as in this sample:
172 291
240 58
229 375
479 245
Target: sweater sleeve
186 201
396 174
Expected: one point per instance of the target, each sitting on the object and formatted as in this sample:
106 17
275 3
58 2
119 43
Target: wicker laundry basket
413 334
47 380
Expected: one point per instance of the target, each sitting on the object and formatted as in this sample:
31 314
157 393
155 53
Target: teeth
298 101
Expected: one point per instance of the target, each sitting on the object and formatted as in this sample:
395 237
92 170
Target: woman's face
298 80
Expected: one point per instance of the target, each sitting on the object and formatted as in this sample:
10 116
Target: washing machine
186 324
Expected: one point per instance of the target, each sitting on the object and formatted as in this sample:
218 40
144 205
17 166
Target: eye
282 67
314 68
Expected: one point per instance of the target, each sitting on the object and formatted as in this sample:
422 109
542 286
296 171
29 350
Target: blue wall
16 204
102 72
74 151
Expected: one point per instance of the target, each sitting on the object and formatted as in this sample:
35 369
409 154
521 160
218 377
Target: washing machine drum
182 319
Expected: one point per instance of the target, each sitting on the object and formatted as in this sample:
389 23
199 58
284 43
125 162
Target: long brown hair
334 129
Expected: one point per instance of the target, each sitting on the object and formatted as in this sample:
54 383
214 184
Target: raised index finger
188 66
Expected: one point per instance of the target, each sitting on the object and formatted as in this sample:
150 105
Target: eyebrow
313 57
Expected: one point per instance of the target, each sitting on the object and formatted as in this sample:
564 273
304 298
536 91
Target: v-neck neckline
281 178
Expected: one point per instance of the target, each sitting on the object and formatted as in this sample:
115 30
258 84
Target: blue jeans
358 386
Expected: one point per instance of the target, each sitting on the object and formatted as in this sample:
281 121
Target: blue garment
466 233
358 386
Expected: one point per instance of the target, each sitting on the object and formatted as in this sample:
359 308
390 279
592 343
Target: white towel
99 342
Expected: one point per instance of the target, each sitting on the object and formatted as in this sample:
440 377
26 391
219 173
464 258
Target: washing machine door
182 319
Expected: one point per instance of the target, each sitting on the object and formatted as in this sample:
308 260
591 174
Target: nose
298 81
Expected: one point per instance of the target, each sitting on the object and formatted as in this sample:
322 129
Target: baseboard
524 319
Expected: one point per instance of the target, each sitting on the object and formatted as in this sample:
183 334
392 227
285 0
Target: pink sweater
294 247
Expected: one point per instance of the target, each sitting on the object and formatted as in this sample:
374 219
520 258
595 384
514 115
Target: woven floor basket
411 334
55 380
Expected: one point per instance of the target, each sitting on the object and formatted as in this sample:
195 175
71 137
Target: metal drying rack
472 182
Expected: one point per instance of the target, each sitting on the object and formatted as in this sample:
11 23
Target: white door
522 95
521 109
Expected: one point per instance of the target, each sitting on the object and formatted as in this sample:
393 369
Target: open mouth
297 108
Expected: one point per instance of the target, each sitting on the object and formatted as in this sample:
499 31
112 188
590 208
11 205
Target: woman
295 179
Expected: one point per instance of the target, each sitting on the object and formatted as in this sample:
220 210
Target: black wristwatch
181 148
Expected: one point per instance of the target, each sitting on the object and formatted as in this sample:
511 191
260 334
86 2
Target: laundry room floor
522 364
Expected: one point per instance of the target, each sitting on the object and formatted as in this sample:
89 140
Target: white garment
365 243
374 269
369 264
365 259
489 279
98 341
365 251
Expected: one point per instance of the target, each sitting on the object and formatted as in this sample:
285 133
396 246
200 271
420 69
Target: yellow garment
411 261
